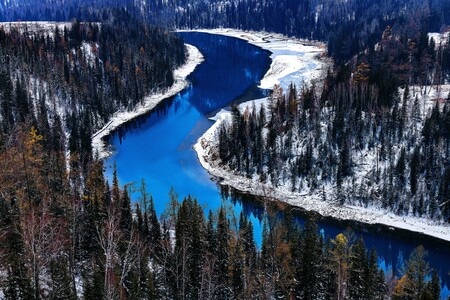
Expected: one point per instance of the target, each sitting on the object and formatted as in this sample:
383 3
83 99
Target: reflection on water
393 246
158 147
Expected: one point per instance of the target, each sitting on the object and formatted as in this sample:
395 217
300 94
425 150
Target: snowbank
293 60
439 38
194 58
308 69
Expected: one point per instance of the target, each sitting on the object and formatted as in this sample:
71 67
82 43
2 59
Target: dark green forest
73 78
365 137
67 233
60 243
348 27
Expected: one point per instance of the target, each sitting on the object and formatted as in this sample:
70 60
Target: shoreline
305 201
293 60
312 202
194 58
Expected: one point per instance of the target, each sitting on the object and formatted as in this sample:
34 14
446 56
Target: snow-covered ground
194 58
439 37
293 60
307 70
36 27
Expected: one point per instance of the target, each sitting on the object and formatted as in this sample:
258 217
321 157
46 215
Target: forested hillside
71 78
377 134
58 243
367 137
347 26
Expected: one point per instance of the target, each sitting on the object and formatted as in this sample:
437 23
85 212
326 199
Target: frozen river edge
308 202
194 58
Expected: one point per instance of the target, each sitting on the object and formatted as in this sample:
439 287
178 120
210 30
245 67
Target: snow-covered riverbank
194 58
293 60
283 53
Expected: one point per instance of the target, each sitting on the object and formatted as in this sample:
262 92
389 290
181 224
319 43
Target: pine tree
189 247
61 282
223 256
211 238
93 284
414 172
155 228
433 289
126 218
310 269
412 285
245 258
400 168
18 283
375 283
115 191
358 271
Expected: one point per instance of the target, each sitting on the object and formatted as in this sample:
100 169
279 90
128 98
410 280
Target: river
157 147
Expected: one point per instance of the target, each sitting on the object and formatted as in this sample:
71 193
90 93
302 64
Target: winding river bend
157 147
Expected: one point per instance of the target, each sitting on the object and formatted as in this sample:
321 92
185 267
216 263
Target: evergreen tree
155 228
18 283
223 257
414 172
310 269
115 190
358 272
61 283
189 249
400 167
412 285
433 289
245 259
126 218
93 284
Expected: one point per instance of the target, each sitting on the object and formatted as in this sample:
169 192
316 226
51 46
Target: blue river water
157 147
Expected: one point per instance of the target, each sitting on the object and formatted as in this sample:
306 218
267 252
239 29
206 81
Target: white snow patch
90 51
36 27
293 60
194 58
439 37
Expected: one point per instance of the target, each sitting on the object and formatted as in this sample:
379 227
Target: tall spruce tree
358 271
310 269
223 290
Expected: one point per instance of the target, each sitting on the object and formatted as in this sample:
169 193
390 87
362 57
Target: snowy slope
194 58
314 201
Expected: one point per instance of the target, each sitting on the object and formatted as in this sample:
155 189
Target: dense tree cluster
340 150
61 11
66 233
73 78
368 138
348 26
58 243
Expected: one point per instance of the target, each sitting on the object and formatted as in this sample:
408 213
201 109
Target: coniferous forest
367 137
58 243
67 233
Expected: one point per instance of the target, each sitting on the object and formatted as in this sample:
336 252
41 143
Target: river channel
157 147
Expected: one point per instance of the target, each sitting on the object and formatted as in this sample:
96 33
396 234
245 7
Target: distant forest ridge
347 26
